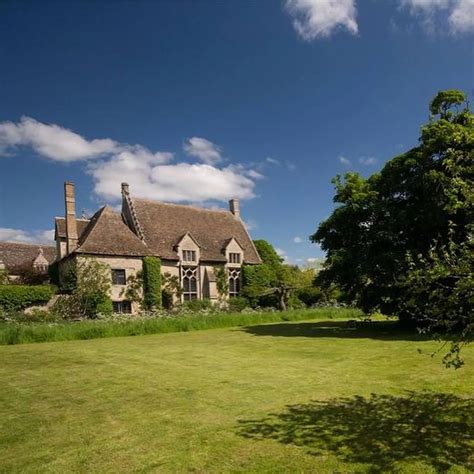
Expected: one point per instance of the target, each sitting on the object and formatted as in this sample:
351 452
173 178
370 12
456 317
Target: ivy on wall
151 283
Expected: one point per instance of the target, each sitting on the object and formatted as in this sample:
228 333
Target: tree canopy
420 204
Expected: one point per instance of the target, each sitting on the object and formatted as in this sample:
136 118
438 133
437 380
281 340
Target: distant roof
60 226
14 255
165 224
107 234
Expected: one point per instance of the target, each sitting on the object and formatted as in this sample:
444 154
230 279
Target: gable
107 234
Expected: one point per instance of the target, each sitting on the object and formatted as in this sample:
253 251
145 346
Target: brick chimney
71 224
234 207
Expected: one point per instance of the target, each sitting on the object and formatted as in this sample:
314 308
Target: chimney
71 224
234 207
125 189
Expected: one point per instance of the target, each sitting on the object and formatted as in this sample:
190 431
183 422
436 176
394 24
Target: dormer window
234 257
189 255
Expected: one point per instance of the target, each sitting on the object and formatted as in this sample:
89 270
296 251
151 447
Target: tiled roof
107 234
14 255
60 226
164 225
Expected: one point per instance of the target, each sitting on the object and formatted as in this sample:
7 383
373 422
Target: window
234 282
189 278
234 257
189 255
118 277
122 306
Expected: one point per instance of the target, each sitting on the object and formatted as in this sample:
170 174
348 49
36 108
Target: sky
202 101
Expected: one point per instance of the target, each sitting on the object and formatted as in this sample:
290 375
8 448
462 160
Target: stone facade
191 243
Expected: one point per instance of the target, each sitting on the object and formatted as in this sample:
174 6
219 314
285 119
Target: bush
237 304
91 294
151 283
104 306
28 275
18 297
197 305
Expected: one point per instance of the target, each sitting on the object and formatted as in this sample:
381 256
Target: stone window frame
118 280
235 257
122 307
190 272
235 281
189 253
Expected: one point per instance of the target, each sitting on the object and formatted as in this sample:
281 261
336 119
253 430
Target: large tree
386 226
272 282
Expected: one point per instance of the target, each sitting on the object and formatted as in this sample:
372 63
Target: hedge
151 283
18 297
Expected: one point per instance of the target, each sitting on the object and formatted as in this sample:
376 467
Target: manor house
190 241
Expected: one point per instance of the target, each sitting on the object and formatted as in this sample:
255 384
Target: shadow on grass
383 330
379 431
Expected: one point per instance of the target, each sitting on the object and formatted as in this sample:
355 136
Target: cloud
203 149
320 18
179 182
461 19
282 253
368 160
26 237
345 161
297 240
52 141
150 174
433 14
272 161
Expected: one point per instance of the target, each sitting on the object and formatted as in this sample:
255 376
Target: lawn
313 396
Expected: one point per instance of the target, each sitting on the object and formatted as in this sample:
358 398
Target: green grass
25 333
313 396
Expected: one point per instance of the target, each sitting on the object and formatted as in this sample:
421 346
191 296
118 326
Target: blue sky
200 101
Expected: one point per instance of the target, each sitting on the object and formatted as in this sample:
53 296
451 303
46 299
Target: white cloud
433 14
175 183
26 237
272 161
290 166
368 160
52 141
320 18
297 240
344 161
461 19
149 174
203 149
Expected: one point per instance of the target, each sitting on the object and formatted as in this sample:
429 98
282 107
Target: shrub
237 304
91 294
170 288
104 306
28 275
4 280
18 297
197 305
151 283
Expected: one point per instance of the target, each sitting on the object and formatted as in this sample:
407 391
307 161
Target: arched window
234 282
189 280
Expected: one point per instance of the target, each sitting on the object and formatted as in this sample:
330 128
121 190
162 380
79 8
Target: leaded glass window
234 282
189 282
